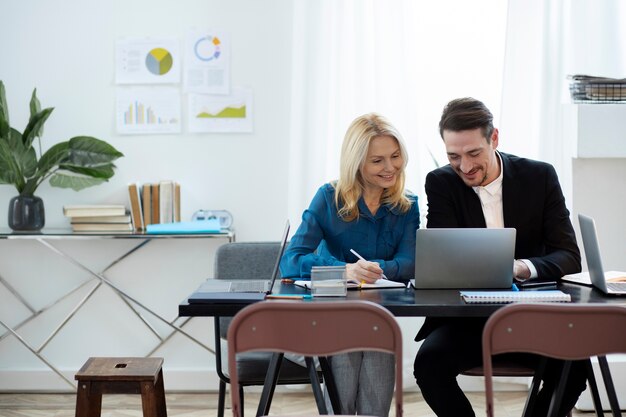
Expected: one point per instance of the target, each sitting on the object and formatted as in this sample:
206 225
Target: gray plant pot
26 213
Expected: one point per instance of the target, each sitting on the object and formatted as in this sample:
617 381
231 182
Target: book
204 226
146 204
176 202
154 195
515 296
135 206
103 227
102 219
166 201
355 285
94 210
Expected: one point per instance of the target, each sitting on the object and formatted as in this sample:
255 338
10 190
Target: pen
363 259
289 297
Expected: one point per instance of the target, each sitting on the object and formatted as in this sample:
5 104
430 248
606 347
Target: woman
369 211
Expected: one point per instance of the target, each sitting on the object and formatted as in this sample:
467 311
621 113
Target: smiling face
382 164
471 156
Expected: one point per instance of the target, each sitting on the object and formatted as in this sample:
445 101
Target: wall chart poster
147 61
221 113
147 110
207 66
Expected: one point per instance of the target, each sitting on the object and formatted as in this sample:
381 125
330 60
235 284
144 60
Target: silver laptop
217 290
594 260
464 258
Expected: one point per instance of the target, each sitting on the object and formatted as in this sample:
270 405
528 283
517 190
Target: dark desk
406 302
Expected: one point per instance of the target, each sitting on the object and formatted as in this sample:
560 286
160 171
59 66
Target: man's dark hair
466 114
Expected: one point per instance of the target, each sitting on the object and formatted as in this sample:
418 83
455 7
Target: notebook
594 260
464 258
493 297
223 291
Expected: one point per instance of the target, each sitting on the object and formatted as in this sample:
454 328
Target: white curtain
546 41
402 58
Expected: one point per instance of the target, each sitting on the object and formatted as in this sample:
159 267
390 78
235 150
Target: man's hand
364 271
520 270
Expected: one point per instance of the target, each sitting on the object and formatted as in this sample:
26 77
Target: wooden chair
311 329
562 331
253 260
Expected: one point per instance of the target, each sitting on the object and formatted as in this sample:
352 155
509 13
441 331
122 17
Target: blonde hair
350 186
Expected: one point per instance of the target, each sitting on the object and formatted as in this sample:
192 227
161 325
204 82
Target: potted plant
78 163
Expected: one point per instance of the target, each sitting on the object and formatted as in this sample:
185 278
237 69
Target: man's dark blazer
532 203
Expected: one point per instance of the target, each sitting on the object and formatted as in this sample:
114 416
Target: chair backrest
314 329
563 331
244 260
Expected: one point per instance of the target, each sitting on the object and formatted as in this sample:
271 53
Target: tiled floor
508 404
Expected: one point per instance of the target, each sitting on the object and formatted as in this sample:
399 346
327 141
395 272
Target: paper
147 110
147 61
583 277
228 113
207 63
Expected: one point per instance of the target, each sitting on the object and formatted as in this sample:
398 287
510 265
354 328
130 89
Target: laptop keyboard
616 286
248 286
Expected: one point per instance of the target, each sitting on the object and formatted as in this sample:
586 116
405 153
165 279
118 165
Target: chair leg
558 393
315 386
221 397
241 396
534 388
271 378
608 384
330 384
593 387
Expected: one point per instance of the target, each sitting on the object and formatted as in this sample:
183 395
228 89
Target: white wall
66 50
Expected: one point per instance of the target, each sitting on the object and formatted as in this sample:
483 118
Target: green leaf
35 126
10 169
76 183
103 171
4 112
35 106
86 151
53 157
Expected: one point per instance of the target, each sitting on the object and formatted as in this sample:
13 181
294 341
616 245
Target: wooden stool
120 376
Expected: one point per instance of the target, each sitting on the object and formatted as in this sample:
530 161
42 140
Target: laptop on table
216 291
461 258
594 260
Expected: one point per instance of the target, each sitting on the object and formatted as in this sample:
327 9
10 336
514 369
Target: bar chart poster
207 66
221 113
147 110
147 61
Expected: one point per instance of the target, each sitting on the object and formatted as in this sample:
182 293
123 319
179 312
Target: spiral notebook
496 297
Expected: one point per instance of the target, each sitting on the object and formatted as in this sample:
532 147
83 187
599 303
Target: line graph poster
221 113
207 66
147 110
147 61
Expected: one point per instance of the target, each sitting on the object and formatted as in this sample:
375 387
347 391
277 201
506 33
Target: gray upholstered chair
248 260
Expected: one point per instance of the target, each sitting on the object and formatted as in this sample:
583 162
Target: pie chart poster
147 61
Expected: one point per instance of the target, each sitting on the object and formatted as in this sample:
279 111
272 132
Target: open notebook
355 285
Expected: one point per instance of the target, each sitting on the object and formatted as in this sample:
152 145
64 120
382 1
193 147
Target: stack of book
99 218
154 203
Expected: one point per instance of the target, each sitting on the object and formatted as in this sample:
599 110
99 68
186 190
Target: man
485 188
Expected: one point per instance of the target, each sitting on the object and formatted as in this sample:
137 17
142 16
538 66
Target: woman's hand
364 271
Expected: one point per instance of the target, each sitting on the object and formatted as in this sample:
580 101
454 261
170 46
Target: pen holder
328 281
